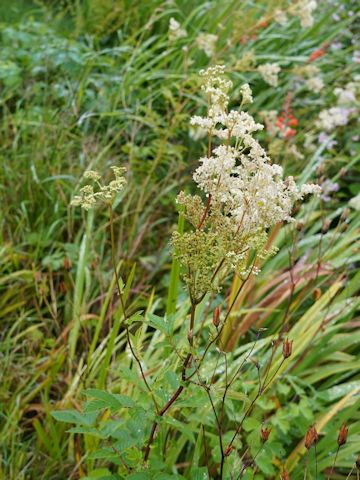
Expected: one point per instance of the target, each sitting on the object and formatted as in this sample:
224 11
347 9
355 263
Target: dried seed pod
311 437
317 293
326 226
287 348
345 214
190 335
342 435
67 264
216 316
265 433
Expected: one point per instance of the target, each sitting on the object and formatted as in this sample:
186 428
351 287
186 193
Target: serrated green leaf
73 416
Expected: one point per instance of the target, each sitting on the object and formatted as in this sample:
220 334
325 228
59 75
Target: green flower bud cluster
213 251
105 193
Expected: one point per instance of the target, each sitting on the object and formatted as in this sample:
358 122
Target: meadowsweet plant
245 195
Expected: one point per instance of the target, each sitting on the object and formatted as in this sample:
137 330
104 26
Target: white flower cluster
333 117
241 177
315 84
347 95
105 193
207 42
355 202
303 9
175 31
246 93
280 17
348 103
269 72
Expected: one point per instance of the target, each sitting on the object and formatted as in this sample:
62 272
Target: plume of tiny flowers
304 10
269 72
104 193
246 193
175 31
207 42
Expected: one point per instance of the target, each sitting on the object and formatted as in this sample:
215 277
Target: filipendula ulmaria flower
246 194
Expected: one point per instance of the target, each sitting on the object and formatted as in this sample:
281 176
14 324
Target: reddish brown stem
178 391
205 212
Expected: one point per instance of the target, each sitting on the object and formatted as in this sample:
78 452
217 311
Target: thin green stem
123 306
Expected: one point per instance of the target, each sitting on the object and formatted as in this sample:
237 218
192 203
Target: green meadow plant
226 235
86 82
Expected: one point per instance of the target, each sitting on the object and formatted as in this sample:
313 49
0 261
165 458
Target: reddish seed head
311 437
265 433
62 287
342 435
254 37
263 24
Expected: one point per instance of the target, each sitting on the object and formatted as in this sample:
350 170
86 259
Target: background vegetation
93 83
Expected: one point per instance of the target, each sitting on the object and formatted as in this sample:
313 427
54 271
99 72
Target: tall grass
90 84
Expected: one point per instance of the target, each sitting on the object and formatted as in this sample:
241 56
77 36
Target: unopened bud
190 335
317 293
67 264
358 462
344 227
326 226
311 437
287 348
296 209
265 433
62 287
216 316
342 435
345 214
299 226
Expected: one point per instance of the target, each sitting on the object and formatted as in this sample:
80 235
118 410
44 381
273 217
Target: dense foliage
90 84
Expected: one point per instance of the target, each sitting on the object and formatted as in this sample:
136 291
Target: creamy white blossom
242 176
280 17
304 9
175 31
333 117
269 72
315 84
246 93
355 202
207 42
